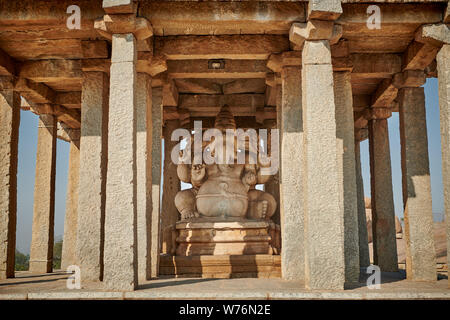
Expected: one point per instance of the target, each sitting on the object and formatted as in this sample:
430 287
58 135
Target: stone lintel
377 113
324 9
123 24
435 34
312 30
409 79
384 95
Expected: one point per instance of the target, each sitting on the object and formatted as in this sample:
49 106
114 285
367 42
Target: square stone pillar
324 212
120 254
419 234
291 184
443 65
364 255
9 137
157 115
92 175
345 134
171 186
69 249
383 213
41 252
144 172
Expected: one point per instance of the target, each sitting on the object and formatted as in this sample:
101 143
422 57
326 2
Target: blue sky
27 165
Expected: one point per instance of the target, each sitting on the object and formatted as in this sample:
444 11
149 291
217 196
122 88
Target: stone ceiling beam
254 47
385 94
199 86
35 91
71 100
7 66
170 92
179 69
376 65
51 70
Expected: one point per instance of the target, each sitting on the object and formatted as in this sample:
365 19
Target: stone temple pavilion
115 78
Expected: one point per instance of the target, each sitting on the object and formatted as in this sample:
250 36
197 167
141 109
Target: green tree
57 252
21 261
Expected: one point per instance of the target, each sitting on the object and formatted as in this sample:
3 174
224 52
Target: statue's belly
222 197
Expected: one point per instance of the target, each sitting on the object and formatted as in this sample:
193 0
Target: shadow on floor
386 277
173 283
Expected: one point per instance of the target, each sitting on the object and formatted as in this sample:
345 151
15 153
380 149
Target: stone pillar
364 256
443 65
347 172
157 112
9 136
171 186
383 214
144 173
92 172
41 252
291 186
324 213
120 255
69 248
419 235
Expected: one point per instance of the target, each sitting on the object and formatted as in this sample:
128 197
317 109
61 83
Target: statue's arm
184 172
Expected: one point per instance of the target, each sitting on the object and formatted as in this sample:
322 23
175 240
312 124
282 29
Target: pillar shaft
364 256
347 171
324 213
443 65
420 252
92 174
120 255
68 256
156 178
291 192
41 253
171 186
144 173
9 135
383 214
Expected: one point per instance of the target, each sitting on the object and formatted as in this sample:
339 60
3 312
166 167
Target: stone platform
226 237
221 266
27 286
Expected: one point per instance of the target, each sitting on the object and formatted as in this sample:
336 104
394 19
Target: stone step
221 266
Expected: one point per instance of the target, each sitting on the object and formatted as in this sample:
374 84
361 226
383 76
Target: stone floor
53 286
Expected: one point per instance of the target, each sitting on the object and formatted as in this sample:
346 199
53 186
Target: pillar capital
119 6
434 34
409 79
111 24
377 113
324 10
314 30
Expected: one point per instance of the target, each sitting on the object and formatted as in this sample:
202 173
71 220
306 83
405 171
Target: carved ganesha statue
224 190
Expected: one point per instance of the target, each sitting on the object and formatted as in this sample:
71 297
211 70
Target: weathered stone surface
157 114
69 249
385 247
143 169
420 253
409 79
291 186
120 255
41 252
346 170
119 6
171 186
324 213
364 258
443 61
92 183
435 34
9 135
312 30
324 9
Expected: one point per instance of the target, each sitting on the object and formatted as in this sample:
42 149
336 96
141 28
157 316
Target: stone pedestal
420 251
209 237
92 174
383 214
9 135
41 252
324 212
120 256
68 256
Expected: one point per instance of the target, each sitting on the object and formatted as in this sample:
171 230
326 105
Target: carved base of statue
213 236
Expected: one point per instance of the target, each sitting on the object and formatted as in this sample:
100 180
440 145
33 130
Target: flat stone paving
53 286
